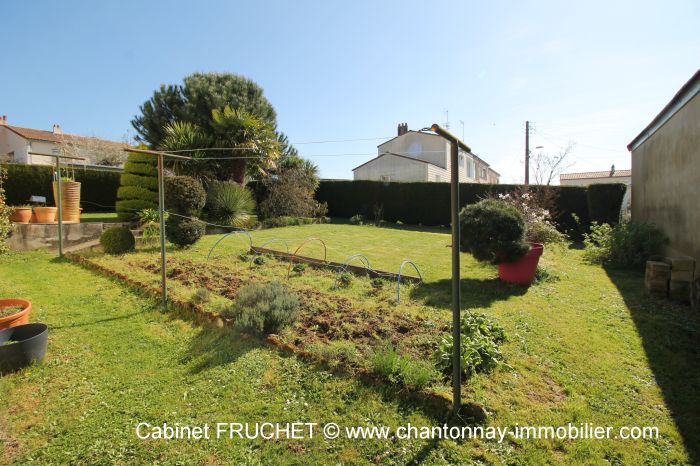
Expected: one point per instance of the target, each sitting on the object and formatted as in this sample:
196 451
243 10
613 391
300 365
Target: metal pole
527 153
161 212
59 195
455 145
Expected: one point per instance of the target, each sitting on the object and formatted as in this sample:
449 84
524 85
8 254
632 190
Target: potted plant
21 214
70 198
14 312
493 231
45 214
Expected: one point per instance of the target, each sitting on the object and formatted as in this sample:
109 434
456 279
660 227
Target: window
471 168
483 173
55 151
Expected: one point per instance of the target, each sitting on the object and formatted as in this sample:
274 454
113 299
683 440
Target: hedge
98 190
604 202
429 203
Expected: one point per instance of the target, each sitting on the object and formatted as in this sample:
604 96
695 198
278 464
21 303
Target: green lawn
586 348
104 217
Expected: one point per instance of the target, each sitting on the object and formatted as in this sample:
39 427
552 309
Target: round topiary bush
117 240
493 231
184 195
183 231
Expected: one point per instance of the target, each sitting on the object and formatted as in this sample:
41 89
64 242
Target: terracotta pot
45 214
522 271
70 200
18 318
33 219
21 215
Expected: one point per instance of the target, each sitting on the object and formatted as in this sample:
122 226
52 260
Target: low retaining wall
32 236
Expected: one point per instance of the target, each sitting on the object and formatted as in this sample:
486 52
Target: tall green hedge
139 186
98 190
604 202
429 203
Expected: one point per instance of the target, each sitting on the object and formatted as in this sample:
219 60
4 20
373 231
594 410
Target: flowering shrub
540 226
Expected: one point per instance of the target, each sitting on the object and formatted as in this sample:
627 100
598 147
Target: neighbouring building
666 171
588 178
419 156
19 145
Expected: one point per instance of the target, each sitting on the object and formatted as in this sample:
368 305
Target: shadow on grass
96 322
213 347
669 334
475 292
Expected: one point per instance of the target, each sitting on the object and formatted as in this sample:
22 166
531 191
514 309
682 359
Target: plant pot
29 345
523 270
45 214
70 200
21 215
19 318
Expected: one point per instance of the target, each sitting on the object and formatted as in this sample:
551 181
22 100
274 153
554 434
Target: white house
588 178
17 145
418 156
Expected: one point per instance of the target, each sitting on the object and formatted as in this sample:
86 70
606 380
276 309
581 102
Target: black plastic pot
29 345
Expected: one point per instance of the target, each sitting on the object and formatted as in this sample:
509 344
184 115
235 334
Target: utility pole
527 153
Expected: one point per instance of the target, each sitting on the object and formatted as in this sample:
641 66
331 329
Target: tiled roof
41 135
586 175
397 155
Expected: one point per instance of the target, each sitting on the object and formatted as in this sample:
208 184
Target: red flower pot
18 318
21 215
523 270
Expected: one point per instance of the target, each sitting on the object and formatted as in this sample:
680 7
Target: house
666 171
588 178
17 145
418 156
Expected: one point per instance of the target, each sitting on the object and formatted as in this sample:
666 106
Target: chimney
57 129
403 129
612 170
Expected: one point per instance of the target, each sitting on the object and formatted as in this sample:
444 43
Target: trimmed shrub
118 240
183 232
264 308
184 195
493 231
229 203
604 202
98 189
139 186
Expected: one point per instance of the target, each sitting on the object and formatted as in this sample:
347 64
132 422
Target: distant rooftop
587 175
53 136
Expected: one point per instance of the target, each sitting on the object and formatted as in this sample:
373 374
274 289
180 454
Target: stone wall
32 236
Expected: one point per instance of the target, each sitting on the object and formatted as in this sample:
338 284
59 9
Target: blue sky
590 72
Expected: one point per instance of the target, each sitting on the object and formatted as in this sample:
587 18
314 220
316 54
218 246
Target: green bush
290 193
139 186
118 240
493 231
626 245
229 203
479 346
345 279
604 202
358 219
183 232
149 223
264 308
98 188
184 195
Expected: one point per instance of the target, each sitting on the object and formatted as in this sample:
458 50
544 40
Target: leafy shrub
149 223
345 279
5 212
299 268
401 370
201 296
118 240
259 260
357 220
184 195
480 342
182 231
264 308
377 283
290 192
626 245
229 203
138 188
535 208
336 352
493 231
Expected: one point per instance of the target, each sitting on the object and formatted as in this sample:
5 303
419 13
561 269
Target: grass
104 217
586 347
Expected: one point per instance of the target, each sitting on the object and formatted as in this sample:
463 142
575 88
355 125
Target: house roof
587 175
434 135
689 90
397 155
50 136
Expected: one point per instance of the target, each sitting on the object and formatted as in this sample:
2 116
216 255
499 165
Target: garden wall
429 203
98 187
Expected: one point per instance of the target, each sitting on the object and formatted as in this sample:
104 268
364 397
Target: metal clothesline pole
161 212
59 194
